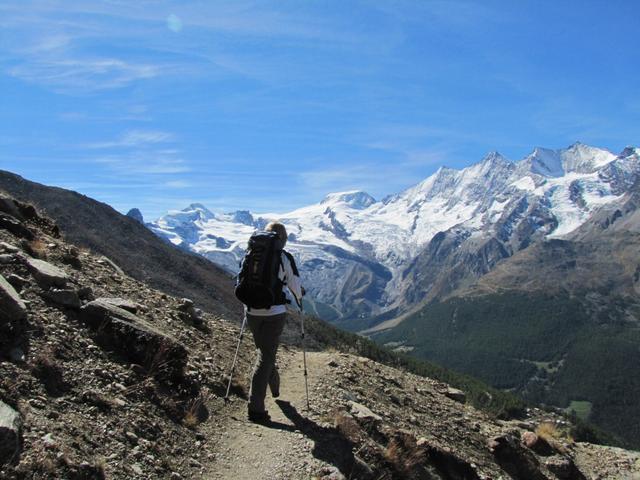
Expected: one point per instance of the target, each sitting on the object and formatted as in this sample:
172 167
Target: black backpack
258 284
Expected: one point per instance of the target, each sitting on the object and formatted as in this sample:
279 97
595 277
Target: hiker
266 308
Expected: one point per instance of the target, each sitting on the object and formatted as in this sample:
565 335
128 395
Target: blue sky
268 106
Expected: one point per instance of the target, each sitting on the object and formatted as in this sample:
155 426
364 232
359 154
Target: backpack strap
292 262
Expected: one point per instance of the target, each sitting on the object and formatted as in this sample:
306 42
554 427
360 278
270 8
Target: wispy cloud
177 184
84 75
136 138
142 163
140 152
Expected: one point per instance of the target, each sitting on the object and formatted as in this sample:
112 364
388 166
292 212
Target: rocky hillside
557 322
366 261
96 226
102 376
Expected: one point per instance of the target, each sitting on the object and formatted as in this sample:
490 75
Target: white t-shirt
291 282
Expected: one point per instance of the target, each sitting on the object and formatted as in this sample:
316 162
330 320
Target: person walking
266 271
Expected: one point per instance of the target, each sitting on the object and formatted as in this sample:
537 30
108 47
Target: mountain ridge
496 204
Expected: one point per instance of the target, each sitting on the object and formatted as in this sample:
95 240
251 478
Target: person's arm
292 277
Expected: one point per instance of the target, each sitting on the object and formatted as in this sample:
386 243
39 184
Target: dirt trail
283 449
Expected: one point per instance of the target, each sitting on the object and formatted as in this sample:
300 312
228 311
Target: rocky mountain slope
102 376
125 241
366 260
557 321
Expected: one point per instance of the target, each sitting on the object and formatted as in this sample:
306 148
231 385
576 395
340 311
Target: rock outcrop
139 341
47 275
10 434
12 308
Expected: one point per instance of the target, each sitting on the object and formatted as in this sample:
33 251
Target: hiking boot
259 417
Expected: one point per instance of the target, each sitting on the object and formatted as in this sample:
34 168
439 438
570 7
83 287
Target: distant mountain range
525 274
366 261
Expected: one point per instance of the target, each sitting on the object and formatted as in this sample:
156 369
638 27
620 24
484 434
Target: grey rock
49 442
136 339
67 297
361 412
185 304
564 468
122 303
12 308
47 275
6 258
514 458
8 206
13 225
136 214
456 395
107 261
8 248
10 434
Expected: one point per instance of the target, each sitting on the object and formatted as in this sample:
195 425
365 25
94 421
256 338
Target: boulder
66 297
189 313
13 225
515 459
361 412
8 206
8 248
6 258
564 468
135 339
536 443
456 395
122 303
46 274
10 434
12 308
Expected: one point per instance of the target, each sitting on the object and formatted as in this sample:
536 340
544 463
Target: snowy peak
578 158
355 199
545 162
199 209
629 151
581 158
493 158
196 212
242 216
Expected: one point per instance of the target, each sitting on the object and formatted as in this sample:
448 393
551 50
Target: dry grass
197 411
37 249
554 436
190 420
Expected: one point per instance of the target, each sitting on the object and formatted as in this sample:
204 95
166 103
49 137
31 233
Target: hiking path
292 445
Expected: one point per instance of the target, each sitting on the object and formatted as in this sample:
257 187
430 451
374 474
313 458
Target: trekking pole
235 357
304 358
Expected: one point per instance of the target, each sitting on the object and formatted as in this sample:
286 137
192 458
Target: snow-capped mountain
361 257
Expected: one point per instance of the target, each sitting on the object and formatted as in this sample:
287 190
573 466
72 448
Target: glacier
354 251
